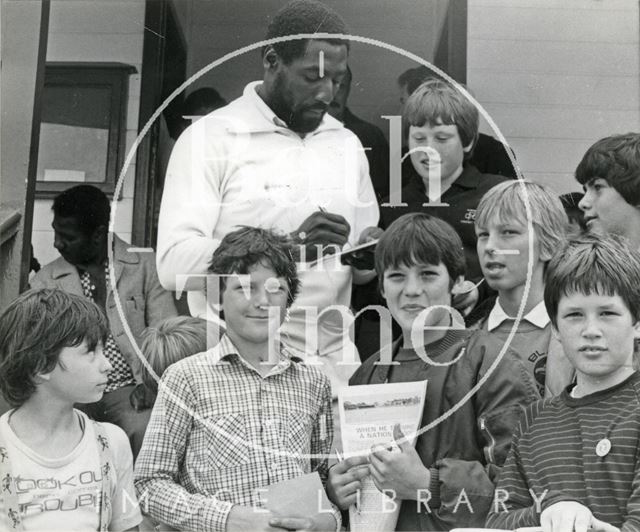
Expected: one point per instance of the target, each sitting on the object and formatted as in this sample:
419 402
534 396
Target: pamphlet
302 496
367 416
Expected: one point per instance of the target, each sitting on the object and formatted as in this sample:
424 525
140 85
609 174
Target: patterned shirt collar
225 351
537 316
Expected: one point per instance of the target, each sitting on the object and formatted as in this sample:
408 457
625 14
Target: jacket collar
383 368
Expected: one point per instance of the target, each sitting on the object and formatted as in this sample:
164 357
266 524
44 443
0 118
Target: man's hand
363 262
465 298
345 480
571 516
402 472
369 234
324 522
322 228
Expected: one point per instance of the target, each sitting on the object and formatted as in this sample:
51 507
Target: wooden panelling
556 75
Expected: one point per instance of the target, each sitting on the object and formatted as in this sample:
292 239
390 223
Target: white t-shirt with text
64 493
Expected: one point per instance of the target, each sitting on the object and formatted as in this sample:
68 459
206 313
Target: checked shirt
121 375
220 432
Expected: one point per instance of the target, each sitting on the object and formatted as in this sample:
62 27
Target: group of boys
232 420
533 417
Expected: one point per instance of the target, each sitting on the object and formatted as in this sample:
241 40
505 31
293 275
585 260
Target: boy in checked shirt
245 414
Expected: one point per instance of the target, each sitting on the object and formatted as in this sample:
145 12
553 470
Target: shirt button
274 466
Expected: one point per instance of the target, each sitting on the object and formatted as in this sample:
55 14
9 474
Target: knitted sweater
583 449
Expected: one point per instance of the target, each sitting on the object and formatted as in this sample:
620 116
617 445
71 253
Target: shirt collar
259 116
226 349
536 316
469 178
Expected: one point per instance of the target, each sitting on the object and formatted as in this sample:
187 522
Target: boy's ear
40 377
636 327
543 255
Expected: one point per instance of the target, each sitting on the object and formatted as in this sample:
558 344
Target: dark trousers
115 407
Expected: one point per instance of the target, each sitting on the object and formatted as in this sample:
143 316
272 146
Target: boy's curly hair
247 247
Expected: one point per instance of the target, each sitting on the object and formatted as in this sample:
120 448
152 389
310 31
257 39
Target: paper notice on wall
367 417
63 175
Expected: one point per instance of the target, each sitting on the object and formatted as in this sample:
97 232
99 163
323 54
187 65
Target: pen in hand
340 458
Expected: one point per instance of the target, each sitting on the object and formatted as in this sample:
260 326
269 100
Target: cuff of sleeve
217 514
335 511
553 497
434 488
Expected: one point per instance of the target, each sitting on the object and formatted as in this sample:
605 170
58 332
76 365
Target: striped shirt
220 432
583 449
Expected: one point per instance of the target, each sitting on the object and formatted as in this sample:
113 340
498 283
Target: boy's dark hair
171 340
303 16
88 205
34 328
570 202
616 159
204 99
437 100
593 264
418 238
246 247
414 77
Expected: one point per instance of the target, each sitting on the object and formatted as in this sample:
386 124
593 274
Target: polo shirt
463 197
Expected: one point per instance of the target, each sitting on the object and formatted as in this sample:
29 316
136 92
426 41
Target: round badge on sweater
603 447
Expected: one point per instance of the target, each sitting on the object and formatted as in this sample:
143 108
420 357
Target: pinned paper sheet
51 174
303 496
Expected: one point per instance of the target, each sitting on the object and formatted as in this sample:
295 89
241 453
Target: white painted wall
555 75
95 30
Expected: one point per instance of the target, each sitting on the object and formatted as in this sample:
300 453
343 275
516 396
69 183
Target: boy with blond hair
519 225
170 341
573 463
